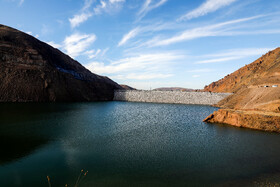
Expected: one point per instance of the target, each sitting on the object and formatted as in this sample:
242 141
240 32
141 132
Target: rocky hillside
256 100
263 71
33 71
126 87
256 86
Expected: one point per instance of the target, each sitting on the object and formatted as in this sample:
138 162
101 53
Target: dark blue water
128 144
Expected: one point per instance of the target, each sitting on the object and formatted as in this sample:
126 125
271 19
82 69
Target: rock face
33 71
249 119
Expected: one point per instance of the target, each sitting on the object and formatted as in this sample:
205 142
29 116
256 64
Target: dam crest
173 97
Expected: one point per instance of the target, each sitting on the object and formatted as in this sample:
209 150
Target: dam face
175 97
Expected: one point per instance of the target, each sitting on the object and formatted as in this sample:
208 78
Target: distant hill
126 87
33 71
174 89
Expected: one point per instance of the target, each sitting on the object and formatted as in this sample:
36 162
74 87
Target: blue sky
152 43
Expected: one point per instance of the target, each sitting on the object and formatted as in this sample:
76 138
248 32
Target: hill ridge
31 70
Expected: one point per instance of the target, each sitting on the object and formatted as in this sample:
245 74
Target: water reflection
14 148
20 130
127 144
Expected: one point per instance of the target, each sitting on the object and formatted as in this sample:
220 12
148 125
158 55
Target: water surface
128 144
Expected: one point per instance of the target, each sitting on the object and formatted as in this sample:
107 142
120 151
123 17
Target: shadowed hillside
31 70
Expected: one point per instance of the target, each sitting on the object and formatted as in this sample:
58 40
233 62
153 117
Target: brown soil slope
264 71
262 99
31 70
252 105
266 121
248 85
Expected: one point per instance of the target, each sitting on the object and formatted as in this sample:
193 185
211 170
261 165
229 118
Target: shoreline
252 119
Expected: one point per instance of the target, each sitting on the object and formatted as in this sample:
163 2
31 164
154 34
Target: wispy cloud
220 29
148 6
98 9
79 18
92 53
146 30
143 66
116 1
21 2
128 36
204 70
30 33
86 12
140 76
55 45
77 43
196 76
83 16
207 7
233 54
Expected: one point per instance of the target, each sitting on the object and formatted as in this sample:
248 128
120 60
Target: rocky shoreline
259 120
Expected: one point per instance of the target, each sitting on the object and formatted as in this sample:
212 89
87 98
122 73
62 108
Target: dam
172 97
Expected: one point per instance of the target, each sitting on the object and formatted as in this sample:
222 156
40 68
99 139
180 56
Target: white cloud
87 5
146 30
116 1
30 33
83 16
225 59
98 9
220 29
196 76
79 18
53 44
148 6
200 70
140 76
76 44
92 53
86 13
233 54
207 7
128 36
143 66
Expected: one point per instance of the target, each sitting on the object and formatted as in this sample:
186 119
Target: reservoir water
129 144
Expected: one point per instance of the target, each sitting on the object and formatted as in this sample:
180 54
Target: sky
148 44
